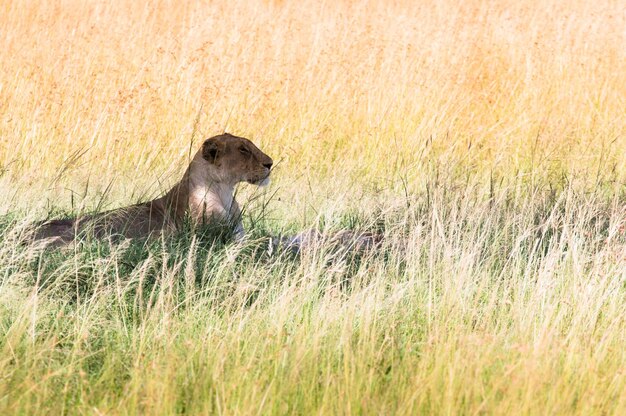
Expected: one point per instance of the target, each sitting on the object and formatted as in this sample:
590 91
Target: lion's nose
268 165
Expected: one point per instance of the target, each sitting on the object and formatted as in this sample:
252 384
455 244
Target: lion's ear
211 150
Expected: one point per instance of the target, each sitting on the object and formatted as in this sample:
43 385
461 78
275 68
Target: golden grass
492 85
500 125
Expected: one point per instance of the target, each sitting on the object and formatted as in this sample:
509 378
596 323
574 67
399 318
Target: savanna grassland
485 140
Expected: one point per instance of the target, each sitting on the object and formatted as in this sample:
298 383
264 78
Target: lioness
205 193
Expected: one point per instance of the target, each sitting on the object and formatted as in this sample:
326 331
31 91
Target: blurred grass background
354 94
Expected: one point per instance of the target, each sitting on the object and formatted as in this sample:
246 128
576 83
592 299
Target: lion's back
136 221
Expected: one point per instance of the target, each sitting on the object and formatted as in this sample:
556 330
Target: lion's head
231 159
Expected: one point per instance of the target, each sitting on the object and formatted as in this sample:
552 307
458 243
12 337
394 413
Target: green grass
521 290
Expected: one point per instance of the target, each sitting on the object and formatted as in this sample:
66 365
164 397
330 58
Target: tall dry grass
484 139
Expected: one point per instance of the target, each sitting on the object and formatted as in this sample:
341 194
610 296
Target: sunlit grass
485 141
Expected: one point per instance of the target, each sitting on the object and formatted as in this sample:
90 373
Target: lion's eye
244 150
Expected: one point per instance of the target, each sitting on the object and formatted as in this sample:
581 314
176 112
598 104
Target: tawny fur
205 193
